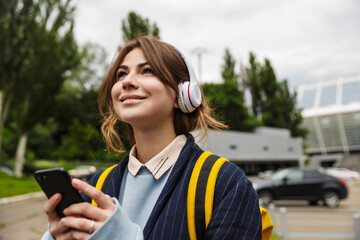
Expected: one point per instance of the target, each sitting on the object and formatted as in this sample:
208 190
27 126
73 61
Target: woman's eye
121 75
148 71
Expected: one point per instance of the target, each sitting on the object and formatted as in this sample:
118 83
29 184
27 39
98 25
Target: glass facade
307 101
331 112
328 96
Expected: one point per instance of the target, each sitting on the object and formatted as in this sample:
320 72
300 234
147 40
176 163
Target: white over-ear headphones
189 91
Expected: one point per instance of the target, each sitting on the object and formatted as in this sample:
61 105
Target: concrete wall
265 144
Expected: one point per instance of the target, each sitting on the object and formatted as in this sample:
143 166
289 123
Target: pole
357 225
272 215
199 51
285 234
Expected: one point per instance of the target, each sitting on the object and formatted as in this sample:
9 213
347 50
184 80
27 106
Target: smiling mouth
131 99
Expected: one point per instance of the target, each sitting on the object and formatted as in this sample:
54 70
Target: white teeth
128 99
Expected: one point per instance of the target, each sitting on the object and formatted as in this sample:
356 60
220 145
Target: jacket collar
174 178
177 172
113 189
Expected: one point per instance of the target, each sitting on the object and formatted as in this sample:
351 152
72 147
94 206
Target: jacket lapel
113 189
174 179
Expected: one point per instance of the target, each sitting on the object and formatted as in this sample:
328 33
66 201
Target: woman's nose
130 81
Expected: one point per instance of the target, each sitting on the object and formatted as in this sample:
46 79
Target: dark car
301 184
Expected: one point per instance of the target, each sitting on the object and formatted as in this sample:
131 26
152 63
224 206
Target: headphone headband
192 75
189 91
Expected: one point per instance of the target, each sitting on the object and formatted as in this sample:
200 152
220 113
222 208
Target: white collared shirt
162 162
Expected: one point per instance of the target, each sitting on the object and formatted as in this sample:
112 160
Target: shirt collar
162 162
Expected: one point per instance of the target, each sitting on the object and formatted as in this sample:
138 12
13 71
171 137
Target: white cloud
306 41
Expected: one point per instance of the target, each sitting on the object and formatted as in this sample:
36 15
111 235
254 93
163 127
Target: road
318 222
25 220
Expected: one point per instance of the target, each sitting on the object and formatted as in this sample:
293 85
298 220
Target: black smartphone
57 180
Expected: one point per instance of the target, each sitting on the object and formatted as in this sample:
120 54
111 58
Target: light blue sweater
138 194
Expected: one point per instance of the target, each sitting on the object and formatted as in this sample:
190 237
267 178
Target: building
331 112
264 149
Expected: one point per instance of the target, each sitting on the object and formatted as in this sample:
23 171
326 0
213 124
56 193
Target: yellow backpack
202 182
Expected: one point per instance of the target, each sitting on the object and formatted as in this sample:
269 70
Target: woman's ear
176 104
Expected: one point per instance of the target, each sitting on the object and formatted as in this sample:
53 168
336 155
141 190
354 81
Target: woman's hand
84 218
57 230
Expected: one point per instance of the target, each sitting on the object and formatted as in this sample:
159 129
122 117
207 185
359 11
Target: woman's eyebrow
123 67
140 65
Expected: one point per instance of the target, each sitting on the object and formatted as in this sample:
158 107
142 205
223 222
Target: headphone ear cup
195 95
184 98
180 98
189 91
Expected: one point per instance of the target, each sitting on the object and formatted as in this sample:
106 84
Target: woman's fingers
79 235
73 234
53 218
85 210
100 198
82 224
50 206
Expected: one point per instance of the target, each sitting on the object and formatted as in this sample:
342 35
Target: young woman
146 88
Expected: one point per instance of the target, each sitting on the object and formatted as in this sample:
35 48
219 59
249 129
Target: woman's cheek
116 91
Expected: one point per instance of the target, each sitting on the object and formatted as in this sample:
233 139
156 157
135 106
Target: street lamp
199 51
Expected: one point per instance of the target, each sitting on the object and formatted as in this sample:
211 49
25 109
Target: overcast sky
306 40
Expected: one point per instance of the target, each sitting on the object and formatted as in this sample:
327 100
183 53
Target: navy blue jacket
236 213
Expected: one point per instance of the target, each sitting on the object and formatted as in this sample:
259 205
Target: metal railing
286 235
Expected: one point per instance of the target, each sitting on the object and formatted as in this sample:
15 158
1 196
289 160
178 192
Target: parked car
266 174
343 173
83 172
6 170
302 184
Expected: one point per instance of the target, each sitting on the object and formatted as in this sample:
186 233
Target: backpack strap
200 197
201 193
103 181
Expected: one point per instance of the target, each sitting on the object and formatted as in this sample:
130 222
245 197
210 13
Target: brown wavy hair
169 66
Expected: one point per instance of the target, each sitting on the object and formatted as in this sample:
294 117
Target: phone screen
57 180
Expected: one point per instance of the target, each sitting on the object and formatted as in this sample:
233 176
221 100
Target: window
295 175
351 92
233 147
328 96
311 174
280 174
308 98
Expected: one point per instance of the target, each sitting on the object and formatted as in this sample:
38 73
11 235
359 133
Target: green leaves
228 68
228 100
228 103
135 26
272 101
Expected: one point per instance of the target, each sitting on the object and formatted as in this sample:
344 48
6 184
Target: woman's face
139 97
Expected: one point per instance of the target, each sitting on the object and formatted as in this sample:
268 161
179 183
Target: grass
11 186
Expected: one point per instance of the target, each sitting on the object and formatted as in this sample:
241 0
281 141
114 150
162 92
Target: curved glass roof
330 97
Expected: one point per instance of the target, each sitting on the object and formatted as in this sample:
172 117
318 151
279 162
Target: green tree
293 117
228 100
253 81
41 140
17 18
76 144
89 73
272 101
228 68
47 67
135 26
